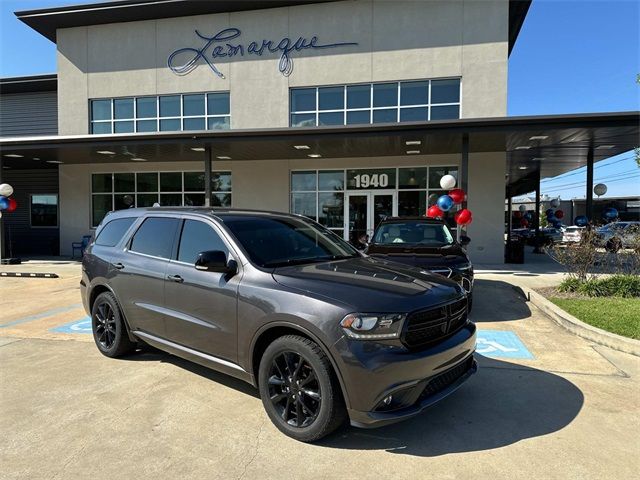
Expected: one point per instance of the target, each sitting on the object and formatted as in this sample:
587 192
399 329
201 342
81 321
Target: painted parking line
78 326
38 316
501 344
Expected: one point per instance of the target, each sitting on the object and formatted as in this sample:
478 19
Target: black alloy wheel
299 389
294 389
105 325
108 326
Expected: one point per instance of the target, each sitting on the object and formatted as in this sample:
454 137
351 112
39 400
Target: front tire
109 329
299 389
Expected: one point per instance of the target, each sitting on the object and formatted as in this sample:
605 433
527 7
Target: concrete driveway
544 404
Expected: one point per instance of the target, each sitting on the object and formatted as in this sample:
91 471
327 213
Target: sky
572 56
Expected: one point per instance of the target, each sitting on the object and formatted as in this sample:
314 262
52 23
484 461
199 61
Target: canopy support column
464 176
589 192
208 160
536 213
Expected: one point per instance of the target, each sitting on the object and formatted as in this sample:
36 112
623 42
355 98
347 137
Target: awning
552 144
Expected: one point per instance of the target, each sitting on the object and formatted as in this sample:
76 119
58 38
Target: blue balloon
445 202
557 223
581 221
528 216
610 213
548 212
4 203
551 217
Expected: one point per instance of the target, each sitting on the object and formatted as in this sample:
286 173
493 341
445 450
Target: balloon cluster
581 221
6 201
554 214
444 203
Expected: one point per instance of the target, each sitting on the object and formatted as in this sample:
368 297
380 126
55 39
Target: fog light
388 400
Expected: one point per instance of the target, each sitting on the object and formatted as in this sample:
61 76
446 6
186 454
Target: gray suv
324 332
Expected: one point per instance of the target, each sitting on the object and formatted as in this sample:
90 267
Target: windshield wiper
302 261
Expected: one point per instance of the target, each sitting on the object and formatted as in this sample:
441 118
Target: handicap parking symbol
501 344
78 326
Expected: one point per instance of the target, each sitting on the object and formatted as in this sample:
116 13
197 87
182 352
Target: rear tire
108 326
299 389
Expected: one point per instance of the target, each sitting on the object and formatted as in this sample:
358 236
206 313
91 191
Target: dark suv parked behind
281 302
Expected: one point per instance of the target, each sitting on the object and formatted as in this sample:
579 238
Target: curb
581 329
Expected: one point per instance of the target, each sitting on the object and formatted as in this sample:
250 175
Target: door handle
118 265
175 278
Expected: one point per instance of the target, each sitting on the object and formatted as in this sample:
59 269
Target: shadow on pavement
497 301
151 354
501 405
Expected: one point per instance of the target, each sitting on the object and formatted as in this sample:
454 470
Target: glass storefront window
412 203
389 102
44 210
412 178
436 173
194 111
304 204
303 181
115 191
330 180
331 209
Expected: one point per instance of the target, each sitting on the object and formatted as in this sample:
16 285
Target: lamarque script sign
219 46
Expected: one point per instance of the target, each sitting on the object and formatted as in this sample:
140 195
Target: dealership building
344 111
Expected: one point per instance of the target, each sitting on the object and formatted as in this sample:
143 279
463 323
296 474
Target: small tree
579 258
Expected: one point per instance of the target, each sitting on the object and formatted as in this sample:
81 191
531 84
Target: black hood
370 285
421 256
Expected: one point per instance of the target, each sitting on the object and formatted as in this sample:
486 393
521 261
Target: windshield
279 241
414 233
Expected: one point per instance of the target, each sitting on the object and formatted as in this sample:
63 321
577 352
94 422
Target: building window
44 210
117 191
319 194
390 102
181 112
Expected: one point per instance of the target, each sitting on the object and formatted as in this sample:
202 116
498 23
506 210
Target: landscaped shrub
627 286
615 286
570 284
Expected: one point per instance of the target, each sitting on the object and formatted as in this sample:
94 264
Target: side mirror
464 240
215 261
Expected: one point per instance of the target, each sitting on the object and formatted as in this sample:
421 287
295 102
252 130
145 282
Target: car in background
324 332
551 235
572 234
426 243
618 235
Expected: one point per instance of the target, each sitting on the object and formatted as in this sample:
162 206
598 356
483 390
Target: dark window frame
31 225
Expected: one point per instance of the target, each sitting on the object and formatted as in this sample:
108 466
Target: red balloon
524 223
463 217
12 205
517 214
457 194
434 212
559 214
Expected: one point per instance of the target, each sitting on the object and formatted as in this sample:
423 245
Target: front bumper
415 379
379 419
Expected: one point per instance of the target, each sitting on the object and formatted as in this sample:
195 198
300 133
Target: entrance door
364 211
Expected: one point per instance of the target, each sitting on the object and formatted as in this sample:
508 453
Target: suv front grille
427 326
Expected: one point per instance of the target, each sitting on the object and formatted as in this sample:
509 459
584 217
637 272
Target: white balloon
555 203
0 214
6 190
522 208
600 189
448 182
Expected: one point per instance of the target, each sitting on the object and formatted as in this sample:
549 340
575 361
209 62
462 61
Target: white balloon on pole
6 190
522 208
555 203
600 189
448 182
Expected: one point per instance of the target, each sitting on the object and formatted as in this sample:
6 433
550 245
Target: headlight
370 326
464 266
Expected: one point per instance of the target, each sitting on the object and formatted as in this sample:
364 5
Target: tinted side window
198 237
155 237
113 231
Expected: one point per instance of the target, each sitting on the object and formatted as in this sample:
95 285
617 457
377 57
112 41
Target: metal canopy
552 144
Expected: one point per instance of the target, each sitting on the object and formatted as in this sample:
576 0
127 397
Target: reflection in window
117 191
390 102
44 210
199 111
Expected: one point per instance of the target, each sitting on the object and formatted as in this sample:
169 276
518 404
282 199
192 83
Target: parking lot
544 404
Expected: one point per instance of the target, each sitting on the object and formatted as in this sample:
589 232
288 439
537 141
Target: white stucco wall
397 40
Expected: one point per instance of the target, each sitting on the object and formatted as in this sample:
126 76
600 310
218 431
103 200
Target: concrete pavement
568 409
